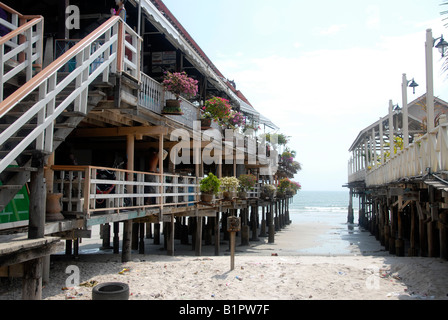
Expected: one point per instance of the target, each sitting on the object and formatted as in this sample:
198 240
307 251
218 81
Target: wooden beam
121 131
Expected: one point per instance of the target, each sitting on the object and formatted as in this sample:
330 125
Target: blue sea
328 206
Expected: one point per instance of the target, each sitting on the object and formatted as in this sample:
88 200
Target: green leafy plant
283 185
247 182
268 191
210 184
218 109
277 139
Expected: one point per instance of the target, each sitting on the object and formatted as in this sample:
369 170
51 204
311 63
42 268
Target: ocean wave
322 209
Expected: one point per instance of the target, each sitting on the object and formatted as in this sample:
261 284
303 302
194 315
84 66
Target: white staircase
38 115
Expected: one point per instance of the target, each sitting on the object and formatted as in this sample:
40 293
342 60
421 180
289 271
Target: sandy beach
313 261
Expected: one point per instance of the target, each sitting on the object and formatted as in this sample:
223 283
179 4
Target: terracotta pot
242 195
53 207
207 197
206 123
229 195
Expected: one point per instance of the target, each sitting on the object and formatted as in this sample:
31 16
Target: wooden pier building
82 127
398 171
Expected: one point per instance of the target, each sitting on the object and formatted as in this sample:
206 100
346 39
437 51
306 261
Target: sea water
317 206
330 208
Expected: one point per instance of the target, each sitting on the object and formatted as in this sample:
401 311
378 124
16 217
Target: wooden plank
121 131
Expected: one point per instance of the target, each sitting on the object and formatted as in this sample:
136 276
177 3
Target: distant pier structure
398 171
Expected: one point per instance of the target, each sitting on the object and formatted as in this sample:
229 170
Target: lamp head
413 85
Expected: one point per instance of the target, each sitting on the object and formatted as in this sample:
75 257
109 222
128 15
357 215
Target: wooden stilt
157 233
412 237
32 279
170 236
198 246
443 223
254 223
116 239
270 220
126 250
263 222
141 245
217 234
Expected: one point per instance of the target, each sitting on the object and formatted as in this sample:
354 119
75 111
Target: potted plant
247 182
217 109
229 186
282 187
179 84
209 187
236 120
268 191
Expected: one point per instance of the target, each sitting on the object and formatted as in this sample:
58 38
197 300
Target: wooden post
270 220
198 246
157 233
254 222
217 234
141 246
443 219
36 229
412 236
232 250
350 217
32 279
233 226
170 247
127 227
116 239
263 222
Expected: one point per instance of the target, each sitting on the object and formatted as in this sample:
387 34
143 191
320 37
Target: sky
320 70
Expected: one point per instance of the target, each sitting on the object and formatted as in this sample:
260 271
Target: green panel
17 209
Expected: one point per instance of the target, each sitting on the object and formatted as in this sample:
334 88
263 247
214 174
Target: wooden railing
48 85
429 152
21 48
153 96
89 190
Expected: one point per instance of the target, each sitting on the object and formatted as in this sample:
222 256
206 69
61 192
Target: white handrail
85 189
429 152
20 50
152 96
47 108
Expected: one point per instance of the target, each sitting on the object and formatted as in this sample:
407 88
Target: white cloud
332 30
324 98
373 19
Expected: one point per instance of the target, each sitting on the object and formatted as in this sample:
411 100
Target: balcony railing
153 96
88 190
429 152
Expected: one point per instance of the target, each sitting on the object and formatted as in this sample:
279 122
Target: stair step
11 187
25 126
65 125
20 169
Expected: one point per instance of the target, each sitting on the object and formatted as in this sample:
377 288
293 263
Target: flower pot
207 197
229 195
206 124
172 107
242 195
53 207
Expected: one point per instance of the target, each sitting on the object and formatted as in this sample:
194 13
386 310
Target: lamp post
404 91
429 81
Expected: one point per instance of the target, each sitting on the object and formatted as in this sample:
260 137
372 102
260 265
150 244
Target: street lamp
442 45
413 85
